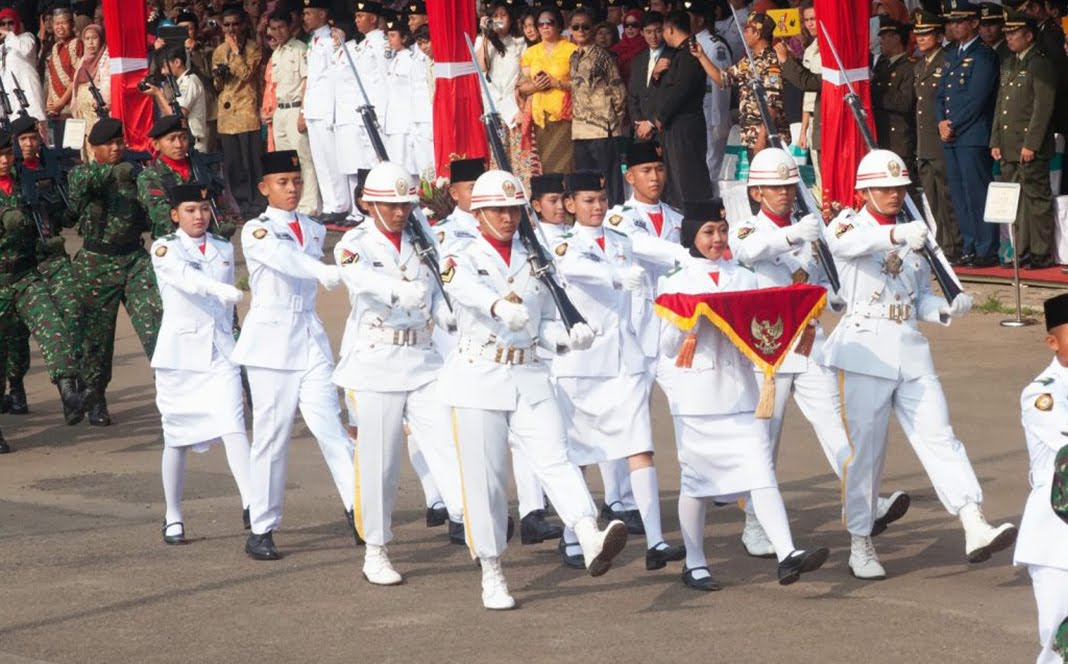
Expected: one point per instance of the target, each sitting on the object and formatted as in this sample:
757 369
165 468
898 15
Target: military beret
280 161
925 22
583 181
548 183
23 124
5 140
105 130
188 193
466 170
167 124
1056 309
643 153
369 7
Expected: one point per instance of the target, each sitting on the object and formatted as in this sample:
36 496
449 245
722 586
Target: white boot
494 590
755 539
599 547
377 568
980 538
863 562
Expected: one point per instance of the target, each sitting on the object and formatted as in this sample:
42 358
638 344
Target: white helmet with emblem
497 189
772 167
882 168
389 183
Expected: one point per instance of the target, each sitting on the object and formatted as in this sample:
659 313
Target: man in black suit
641 88
680 116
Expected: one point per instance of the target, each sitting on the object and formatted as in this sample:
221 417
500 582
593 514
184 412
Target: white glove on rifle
581 335
913 234
225 293
807 229
410 294
329 276
961 305
515 316
631 278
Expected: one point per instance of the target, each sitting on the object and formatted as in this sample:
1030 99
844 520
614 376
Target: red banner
846 24
124 23
458 130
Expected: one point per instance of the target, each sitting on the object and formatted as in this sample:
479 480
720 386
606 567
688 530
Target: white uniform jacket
886 289
193 322
369 56
18 60
322 77
459 226
717 101
399 109
1043 538
491 365
281 324
761 244
593 274
720 380
386 348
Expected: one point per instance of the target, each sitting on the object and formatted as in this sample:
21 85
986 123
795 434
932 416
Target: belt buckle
898 312
410 337
498 357
398 339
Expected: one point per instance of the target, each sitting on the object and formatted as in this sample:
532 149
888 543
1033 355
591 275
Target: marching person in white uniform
603 391
198 387
1043 542
286 351
547 199
723 449
318 110
781 253
460 225
885 366
389 366
399 103
500 391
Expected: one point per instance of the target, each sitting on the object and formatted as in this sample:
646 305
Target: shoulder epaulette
170 238
619 233
1043 381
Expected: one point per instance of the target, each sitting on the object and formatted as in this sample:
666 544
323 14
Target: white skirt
199 407
607 418
723 456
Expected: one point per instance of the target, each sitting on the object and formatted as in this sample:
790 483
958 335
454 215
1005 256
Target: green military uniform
992 13
153 190
1050 40
893 99
1023 118
113 265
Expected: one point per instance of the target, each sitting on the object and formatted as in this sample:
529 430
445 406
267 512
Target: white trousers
527 487
717 134
276 395
921 410
1051 595
333 184
286 137
378 448
482 440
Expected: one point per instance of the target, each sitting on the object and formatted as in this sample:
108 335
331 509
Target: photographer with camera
235 65
191 94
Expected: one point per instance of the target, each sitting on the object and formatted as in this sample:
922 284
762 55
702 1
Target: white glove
581 336
329 276
225 293
515 316
410 294
631 278
807 229
447 319
913 234
557 339
961 305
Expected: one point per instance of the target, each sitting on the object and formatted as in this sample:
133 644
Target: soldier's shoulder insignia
349 257
259 233
615 219
161 251
744 232
448 269
842 229
626 208
615 232
441 236
567 235
674 270
155 192
561 249
746 267
1043 381
1044 402
170 238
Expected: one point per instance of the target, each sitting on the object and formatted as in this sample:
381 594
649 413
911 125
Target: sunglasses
546 24
632 25
7 24
231 25
581 27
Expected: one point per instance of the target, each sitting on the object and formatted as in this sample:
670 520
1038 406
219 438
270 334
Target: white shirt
194 102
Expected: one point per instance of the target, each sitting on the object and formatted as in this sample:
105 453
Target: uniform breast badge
799 276
513 298
615 219
892 264
161 251
1044 402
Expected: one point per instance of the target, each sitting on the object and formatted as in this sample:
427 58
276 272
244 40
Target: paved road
84 576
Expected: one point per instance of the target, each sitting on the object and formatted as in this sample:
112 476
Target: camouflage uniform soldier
24 294
112 266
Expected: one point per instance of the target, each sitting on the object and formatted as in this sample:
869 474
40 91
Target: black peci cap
549 183
643 153
583 181
1056 309
281 161
466 170
188 193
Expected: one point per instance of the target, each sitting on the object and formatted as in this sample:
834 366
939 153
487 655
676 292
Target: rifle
98 99
931 252
541 264
5 104
20 95
417 227
804 203
55 162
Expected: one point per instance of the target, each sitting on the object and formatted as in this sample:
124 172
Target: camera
212 23
150 81
221 71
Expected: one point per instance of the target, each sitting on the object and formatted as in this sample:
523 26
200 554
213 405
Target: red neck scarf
183 168
715 277
32 164
658 221
882 218
600 242
7 184
395 238
295 227
781 222
504 248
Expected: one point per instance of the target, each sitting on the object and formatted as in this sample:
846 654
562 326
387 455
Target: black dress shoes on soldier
73 400
176 538
799 562
436 515
98 410
705 583
571 554
246 519
632 519
456 533
15 402
534 528
660 555
4 447
261 547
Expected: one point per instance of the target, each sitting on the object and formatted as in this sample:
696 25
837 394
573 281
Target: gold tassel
686 351
766 406
808 337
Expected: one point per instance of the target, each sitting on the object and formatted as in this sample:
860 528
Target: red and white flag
458 130
125 25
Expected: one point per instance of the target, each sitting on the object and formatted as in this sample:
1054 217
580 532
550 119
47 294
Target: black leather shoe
436 516
985 261
707 584
246 519
15 401
174 539
632 519
965 260
261 547
896 510
535 529
575 560
799 562
509 529
98 410
4 447
352 527
658 558
73 401
1040 263
456 533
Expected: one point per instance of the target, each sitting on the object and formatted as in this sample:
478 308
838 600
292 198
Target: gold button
403 268
510 279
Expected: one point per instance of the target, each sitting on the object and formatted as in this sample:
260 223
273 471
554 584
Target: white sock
771 512
647 495
237 455
173 471
610 481
692 523
571 545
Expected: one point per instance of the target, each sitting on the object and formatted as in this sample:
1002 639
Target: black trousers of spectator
602 155
685 145
241 161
